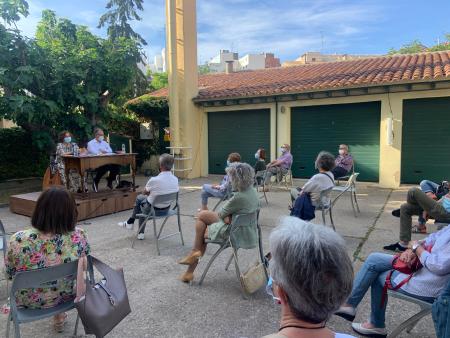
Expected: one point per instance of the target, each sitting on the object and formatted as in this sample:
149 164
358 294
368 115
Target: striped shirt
435 273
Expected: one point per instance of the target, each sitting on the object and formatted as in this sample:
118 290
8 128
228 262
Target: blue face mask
67 139
269 290
257 156
228 163
101 138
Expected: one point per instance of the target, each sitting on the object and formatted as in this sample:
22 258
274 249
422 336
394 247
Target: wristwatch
415 246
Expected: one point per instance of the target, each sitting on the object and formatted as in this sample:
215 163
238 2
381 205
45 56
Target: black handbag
104 304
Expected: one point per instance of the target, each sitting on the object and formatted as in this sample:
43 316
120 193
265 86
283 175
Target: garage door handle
301 168
417 171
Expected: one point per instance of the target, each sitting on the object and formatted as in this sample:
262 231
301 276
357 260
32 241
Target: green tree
65 78
416 47
11 10
204 69
159 80
119 14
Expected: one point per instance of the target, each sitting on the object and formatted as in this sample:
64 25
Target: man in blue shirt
98 146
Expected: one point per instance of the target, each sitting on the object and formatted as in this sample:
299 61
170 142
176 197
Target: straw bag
254 278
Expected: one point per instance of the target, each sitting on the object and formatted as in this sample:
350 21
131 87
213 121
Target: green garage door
425 140
319 128
242 131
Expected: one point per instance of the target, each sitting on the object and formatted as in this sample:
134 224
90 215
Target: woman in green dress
214 225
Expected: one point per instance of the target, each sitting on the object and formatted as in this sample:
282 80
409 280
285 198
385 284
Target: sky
287 28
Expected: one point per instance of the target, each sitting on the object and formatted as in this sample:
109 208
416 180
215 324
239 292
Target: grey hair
310 263
97 130
325 161
242 176
166 161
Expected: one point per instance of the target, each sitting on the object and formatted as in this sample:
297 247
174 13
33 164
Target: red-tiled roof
422 67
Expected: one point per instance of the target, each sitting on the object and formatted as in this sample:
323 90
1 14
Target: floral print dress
74 176
30 249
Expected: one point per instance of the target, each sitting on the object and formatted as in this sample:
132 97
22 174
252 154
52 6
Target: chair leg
238 274
213 258
330 211
229 262
75 331
407 323
179 226
356 201
323 217
16 329
353 204
157 236
8 325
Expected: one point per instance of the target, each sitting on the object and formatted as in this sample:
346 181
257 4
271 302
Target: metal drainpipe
276 126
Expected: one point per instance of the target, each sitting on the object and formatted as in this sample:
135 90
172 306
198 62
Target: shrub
19 158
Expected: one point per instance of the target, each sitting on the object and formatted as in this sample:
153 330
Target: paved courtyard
162 306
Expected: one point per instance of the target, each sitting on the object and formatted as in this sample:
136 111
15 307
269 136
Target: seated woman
426 284
67 147
260 165
52 240
214 225
322 181
218 190
344 162
312 275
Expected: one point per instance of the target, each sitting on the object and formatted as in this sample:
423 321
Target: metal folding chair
34 279
154 215
411 322
349 187
326 206
260 185
226 196
346 177
232 241
281 178
3 241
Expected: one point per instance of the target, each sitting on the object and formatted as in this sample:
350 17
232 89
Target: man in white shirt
98 146
164 183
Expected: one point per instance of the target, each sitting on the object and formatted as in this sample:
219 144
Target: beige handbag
254 278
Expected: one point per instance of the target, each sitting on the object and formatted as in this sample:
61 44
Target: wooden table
91 162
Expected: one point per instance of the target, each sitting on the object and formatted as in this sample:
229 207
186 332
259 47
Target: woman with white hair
213 225
312 275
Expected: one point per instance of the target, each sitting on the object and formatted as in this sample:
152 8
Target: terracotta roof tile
333 75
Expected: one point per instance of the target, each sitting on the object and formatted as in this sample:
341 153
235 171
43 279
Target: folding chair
154 215
226 196
346 177
257 185
3 242
326 207
349 187
35 279
410 323
232 241
280 178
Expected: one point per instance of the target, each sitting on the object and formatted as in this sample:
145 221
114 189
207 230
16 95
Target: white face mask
101 138
283 150
341 151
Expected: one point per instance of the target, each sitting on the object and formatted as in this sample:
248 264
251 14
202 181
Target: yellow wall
391 107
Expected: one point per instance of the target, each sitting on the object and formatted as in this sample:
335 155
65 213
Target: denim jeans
373 274
209 191
428 186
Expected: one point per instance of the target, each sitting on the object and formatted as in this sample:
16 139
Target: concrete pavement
162 306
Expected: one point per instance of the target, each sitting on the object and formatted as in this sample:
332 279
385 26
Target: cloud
287 28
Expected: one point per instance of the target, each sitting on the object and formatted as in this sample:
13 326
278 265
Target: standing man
98 146
344 162
279 166
164 183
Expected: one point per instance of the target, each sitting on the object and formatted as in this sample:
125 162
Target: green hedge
19 158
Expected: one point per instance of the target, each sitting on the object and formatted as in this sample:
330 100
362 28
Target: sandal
59 325
419 229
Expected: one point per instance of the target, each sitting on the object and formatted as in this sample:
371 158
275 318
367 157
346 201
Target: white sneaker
140 236
129 226
125 224
375 332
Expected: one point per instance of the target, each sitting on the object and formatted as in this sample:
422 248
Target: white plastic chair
326 206
154 215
